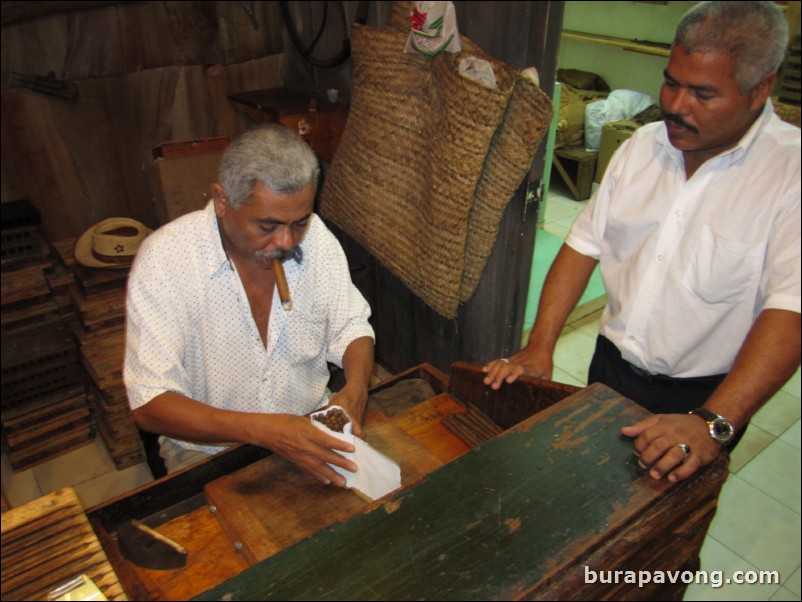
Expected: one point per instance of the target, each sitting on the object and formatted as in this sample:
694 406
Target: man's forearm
566 281
358 362
768 358
180 417
358 367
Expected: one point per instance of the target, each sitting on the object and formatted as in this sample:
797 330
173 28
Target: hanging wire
306 51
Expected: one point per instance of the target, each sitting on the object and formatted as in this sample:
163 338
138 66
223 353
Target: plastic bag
620 104
433 29
478 70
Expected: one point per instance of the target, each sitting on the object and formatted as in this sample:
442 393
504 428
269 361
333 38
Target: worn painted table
512 494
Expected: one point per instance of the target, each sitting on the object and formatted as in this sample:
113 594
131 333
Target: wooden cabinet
516 493
318 121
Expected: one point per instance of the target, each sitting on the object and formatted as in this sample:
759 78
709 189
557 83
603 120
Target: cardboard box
788 113
182 174
613 135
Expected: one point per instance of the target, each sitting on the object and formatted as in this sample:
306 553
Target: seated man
212 357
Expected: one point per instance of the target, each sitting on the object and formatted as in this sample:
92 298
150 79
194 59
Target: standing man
696 227
212 356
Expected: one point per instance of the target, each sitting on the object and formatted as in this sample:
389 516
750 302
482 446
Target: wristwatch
720 428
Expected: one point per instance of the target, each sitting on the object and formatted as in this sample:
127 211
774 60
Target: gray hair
755 34
275 156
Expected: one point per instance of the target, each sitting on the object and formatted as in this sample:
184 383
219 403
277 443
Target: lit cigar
281 284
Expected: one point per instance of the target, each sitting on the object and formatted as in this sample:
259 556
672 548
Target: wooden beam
28 11
653 48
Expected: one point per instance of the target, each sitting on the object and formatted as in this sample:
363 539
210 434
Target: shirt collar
743 146
211 245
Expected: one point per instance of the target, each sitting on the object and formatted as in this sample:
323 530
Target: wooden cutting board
270 505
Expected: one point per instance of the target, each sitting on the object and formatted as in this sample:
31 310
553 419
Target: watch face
721 430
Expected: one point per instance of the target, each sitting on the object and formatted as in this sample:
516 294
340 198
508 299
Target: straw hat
112 243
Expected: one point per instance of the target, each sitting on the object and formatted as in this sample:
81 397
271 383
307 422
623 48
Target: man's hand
658 444
311 449
532 362
353 400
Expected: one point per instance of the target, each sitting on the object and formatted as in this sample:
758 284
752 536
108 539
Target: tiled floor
757 526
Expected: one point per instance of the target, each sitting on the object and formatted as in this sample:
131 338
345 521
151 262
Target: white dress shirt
689 265
190 329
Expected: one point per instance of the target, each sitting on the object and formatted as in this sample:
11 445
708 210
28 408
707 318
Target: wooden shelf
653 48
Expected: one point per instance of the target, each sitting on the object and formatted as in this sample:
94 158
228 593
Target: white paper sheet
377 475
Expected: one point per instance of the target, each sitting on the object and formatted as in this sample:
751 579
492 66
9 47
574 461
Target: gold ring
505 360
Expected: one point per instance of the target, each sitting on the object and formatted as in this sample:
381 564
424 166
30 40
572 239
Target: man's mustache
672 117
280 254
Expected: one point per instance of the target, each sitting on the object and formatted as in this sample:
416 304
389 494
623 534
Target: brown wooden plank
31 454
48 379
270 505
424 422
21 414
473 426
29 314
24 284
71 420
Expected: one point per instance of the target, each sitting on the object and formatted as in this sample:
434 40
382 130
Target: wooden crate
66 439
102 354
124 451
65 250
34 420
320 122
40 361
182 173
60 277
24 285
45 412
49 541
21 246
23 316
89 280
45 428
100 309
20 241
576 167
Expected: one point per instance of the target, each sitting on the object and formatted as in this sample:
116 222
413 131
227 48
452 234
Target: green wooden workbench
524 515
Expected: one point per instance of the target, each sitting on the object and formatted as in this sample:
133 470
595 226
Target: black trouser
658 394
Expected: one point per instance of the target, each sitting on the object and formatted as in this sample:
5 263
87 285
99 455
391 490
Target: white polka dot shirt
190 329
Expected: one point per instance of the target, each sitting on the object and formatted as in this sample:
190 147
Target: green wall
621 69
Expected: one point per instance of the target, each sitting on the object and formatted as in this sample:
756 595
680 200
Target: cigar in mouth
281 284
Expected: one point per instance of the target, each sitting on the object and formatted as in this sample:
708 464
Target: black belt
703 383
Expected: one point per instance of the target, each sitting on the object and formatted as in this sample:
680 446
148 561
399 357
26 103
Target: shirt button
678 213
660 258
632 337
